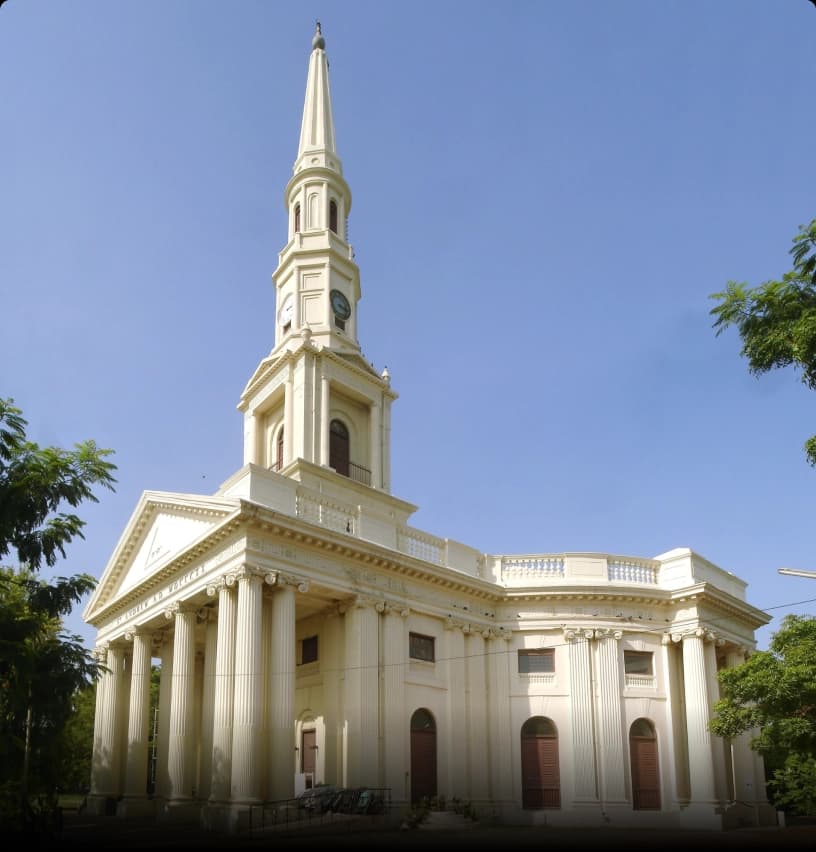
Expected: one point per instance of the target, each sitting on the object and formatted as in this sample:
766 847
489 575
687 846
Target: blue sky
545 194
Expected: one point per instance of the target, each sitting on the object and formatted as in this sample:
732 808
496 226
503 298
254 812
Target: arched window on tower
333 215
339 455
297 218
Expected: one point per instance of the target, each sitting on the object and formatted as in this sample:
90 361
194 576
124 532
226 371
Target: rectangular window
638 662
308 650
421 647
536 661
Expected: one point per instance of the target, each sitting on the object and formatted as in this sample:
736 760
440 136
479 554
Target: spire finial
318 42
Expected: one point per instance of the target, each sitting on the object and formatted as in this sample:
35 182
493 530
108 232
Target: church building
307 634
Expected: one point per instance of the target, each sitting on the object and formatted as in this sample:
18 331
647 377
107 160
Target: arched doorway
645 768
540 777
423 755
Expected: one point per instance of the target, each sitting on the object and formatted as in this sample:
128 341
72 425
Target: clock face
340 305
285 313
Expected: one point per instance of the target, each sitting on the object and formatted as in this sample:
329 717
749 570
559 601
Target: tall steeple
315 407
317 127
317 281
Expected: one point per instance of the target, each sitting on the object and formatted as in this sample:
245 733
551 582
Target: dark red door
423 756
540 778
645 773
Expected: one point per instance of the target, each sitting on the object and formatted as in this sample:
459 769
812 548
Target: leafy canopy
776 320
773 695
36 483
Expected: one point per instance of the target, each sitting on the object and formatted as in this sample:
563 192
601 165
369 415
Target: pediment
162 526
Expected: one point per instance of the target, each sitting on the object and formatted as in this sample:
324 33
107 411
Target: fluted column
674 766
162 777
100 760
180 763
208 706
476 702
247 762
221 764
362 694
282 706
139 715
712 641
610 722
500 717
701 769
395 722
325 420
742 763
454 652
581 708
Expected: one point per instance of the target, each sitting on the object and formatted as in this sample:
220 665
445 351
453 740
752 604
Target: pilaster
581 711
609 719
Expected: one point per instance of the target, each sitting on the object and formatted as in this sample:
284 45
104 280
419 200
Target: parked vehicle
316 799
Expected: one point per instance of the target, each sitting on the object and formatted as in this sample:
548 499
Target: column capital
278 579
609 633
452 623
100 652
218 585
180 608
134 630
248 572
578 634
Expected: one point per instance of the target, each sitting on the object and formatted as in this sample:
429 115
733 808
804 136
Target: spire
317 129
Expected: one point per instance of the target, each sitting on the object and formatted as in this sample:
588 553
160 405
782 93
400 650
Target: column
208 706
701 769
99 763
500 719
267 641
672 755
332 642
395 721
139 715
251 455
454 652
247 762
362 694
610 722
325 420
180 765
583 739
221 761
375 442
476 695
288 419
711 641
282 707
161 777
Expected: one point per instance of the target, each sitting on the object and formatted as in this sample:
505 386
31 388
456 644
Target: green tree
42 668
774 692
776 320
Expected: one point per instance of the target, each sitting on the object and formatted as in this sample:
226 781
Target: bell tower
315 400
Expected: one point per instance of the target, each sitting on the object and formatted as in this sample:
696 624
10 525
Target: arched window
279 450
339 455
423 755
297 218
540 776
645 767
333 215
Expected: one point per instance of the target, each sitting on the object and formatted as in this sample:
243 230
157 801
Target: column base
135 806
98 804
226 817
702 817
178 810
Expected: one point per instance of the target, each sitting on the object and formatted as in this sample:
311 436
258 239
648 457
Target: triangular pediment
162 526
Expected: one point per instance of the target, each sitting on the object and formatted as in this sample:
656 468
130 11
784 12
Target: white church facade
308 634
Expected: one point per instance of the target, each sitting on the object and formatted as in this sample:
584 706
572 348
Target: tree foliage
37 484
774 693
776 320
45 673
